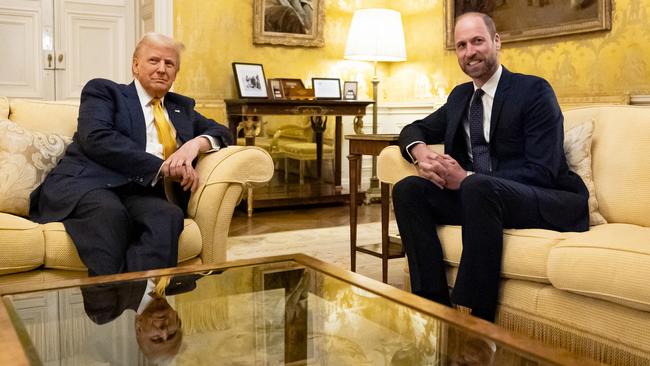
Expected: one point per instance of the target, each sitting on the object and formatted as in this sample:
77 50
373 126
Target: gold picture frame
525 20
289 22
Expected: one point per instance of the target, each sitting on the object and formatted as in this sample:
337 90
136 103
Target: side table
371 144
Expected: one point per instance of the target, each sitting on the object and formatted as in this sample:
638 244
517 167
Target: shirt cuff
157 176
408 150
214 143
469 172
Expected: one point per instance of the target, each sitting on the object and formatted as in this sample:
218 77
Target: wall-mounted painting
288 22
529 19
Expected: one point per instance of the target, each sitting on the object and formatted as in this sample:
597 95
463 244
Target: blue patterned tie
480 148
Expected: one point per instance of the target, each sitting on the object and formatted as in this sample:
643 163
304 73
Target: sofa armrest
392 167
224 176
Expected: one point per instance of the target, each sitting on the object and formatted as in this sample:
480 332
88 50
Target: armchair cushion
25 159
22 243
60 252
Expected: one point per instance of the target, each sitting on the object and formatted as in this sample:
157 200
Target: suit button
109 185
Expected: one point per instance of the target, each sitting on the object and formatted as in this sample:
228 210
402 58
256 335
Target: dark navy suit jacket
526 142
104 303
108 149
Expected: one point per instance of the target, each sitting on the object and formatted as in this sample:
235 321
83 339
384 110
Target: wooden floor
266 221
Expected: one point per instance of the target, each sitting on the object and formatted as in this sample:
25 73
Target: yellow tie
162 283
164 129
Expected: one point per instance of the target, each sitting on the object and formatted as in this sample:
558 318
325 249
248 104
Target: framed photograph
326 88
289 22
350 90
250 80
524 20
275 88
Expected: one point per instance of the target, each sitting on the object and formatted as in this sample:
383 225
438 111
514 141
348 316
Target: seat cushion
60 252
525 251
610 262
22 244
305 151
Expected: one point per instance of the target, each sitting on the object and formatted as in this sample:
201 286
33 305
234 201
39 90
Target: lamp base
373 194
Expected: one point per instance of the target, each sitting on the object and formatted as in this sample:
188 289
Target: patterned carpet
328 244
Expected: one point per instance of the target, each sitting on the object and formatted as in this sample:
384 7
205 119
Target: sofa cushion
26 157
60 252
22 244
45 116
525 251
577 147
610 262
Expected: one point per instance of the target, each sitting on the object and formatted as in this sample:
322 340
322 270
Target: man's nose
161 67
470 50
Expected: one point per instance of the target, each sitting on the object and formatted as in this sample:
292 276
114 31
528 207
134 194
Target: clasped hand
442 170
178 167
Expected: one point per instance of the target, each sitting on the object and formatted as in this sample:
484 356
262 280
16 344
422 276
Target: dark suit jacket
103 303
108 149
526 142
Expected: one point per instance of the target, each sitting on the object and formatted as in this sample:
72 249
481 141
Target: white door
23 27
51 48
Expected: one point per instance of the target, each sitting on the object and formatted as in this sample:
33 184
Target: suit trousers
125 229
483 206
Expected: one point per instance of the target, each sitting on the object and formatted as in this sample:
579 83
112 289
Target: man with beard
504 167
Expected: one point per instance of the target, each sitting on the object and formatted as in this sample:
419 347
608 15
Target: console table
248 113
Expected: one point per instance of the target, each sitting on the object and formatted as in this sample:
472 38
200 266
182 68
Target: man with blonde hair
134 148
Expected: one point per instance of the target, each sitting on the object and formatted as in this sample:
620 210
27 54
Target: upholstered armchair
33 135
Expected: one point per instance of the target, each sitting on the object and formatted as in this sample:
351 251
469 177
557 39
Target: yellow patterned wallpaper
217 33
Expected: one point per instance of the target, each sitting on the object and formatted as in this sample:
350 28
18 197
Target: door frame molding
164 17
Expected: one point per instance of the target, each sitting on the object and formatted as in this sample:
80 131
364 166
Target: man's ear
497 40
134 67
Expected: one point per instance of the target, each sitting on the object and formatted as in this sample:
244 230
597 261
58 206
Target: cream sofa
33 253
586 292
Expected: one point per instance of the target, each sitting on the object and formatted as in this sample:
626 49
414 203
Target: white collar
490 86
143 96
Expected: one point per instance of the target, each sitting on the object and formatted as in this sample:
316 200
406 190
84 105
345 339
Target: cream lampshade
375 35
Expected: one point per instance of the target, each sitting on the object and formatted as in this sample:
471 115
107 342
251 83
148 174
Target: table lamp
375 35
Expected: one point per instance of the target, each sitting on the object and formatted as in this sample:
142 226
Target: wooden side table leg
385 244
354 162
249 202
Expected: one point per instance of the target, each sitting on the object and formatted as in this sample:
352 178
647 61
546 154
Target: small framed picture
326 88
350 90
250 80
275 88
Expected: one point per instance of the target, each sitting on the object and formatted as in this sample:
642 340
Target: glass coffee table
284 310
